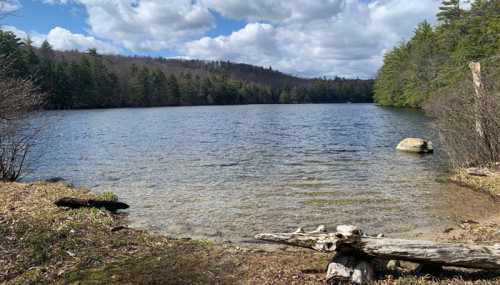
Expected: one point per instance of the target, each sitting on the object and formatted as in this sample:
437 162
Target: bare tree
467 116
19 98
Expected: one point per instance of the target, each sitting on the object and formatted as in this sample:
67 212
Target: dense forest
75 80
438 57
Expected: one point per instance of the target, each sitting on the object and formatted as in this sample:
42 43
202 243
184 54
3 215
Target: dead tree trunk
475 68
350 240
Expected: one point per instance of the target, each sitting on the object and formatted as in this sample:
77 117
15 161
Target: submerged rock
415 145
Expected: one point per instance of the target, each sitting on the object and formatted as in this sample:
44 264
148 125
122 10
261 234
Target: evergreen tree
173 93
46 51
159 89
436 58
449 11
11 48
31 57
90 80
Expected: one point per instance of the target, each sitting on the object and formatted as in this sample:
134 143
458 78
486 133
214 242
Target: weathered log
482 172
75 203
350 239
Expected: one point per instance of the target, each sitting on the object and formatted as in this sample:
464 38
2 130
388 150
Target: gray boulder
415 145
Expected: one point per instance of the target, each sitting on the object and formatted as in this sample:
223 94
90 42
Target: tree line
436 58
76 80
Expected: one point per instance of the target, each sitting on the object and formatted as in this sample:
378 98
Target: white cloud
312 38
36 38
148 24
8 6
276 10
252 43
19 33
349 43
62 39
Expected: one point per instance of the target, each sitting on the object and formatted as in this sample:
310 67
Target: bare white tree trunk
475 68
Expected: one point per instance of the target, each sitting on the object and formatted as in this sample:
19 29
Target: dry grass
42 244
489 184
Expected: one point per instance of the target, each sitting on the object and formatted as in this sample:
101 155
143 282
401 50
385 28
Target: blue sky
302 37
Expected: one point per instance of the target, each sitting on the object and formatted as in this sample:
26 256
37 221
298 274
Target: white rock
337 270
363 273
340 269
415 145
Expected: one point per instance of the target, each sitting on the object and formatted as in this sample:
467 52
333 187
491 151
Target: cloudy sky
302 37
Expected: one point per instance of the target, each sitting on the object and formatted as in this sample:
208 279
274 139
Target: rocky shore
44 244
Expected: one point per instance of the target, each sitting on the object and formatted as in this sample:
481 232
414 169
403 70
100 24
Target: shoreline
487 181
46 244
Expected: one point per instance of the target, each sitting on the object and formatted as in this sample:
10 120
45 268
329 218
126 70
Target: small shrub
108 196
19 98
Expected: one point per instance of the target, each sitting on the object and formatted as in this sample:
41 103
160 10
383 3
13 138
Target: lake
229 172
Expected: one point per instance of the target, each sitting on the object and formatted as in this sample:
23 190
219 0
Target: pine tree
11 48
449 11
46 51
60 95
31 58
159 96
173 93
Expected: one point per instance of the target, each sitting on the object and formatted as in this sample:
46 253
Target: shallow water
229 172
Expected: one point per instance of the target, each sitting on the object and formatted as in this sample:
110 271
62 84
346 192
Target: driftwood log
351 241
75 203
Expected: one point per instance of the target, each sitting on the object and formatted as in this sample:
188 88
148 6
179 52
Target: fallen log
75 203
351 240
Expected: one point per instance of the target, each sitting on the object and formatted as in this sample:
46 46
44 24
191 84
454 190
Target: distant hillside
235 71
90 80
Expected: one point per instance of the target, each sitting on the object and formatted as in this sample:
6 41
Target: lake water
229 172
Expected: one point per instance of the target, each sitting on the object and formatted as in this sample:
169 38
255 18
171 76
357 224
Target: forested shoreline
75 80
436 59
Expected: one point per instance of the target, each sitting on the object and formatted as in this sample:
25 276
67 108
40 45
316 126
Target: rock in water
415 145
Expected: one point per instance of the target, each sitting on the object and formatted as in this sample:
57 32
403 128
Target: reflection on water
230 172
